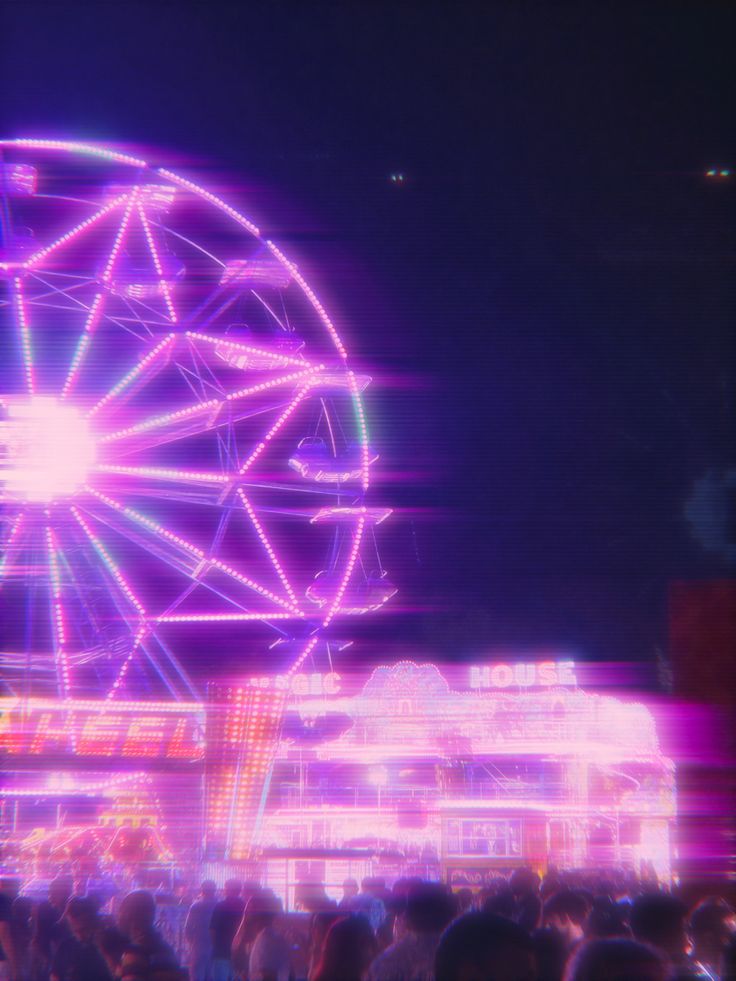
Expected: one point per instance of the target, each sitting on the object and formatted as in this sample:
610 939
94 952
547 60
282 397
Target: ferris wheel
184 458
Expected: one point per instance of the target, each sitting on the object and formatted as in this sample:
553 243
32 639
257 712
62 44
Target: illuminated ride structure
184 477
512 765
184 461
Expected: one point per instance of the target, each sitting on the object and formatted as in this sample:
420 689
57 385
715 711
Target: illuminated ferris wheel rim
361 516
105 153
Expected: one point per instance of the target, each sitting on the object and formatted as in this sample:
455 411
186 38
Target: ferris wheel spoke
245 348
74 232
58 615
110 565
203 563
222 617
24 331
98 304
156 259
206 563
77 570
9 545
195 556
347 575
212 407
246 581
268 547
282 419
171 614
165 473
146 363
184 684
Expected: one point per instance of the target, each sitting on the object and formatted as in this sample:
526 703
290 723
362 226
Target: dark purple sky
546 303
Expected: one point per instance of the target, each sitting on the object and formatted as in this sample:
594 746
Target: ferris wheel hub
46 449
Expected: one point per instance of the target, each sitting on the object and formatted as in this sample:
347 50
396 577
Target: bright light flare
46 450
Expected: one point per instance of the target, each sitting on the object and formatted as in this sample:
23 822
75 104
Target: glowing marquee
545 674
99 728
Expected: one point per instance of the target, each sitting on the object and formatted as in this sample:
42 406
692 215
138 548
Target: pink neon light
332 612
311 296
120 237
365 453
183 543
94 704
222 617
14 532
303 656
275 382
132 374
217 564
157 263
146 522
25 335
306 374
125 665
267 545
162 473
322 313
48 450
191 410
110 563
98 302
274 429
58 612
74 232
348 572
127 592
333 514
212 198
162 420
81 350
286 359
72 147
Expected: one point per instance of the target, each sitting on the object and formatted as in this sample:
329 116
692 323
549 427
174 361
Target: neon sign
300 684
545 674
85 727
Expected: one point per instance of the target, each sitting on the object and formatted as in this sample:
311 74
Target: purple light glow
150 450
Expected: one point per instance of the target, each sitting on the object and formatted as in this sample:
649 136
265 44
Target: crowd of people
563 927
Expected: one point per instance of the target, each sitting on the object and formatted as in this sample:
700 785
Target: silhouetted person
50 928
606 919
318 929
524 884
137 921
481 947
616 960
78 958
711 929
21 928
9 960
500 903
550 952
369 902
660 920
349 948
269 958
226 917
197 932
566 912
349 892
429 909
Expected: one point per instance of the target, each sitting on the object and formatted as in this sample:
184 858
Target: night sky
545 303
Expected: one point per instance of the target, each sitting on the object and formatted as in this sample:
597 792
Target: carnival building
460 772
